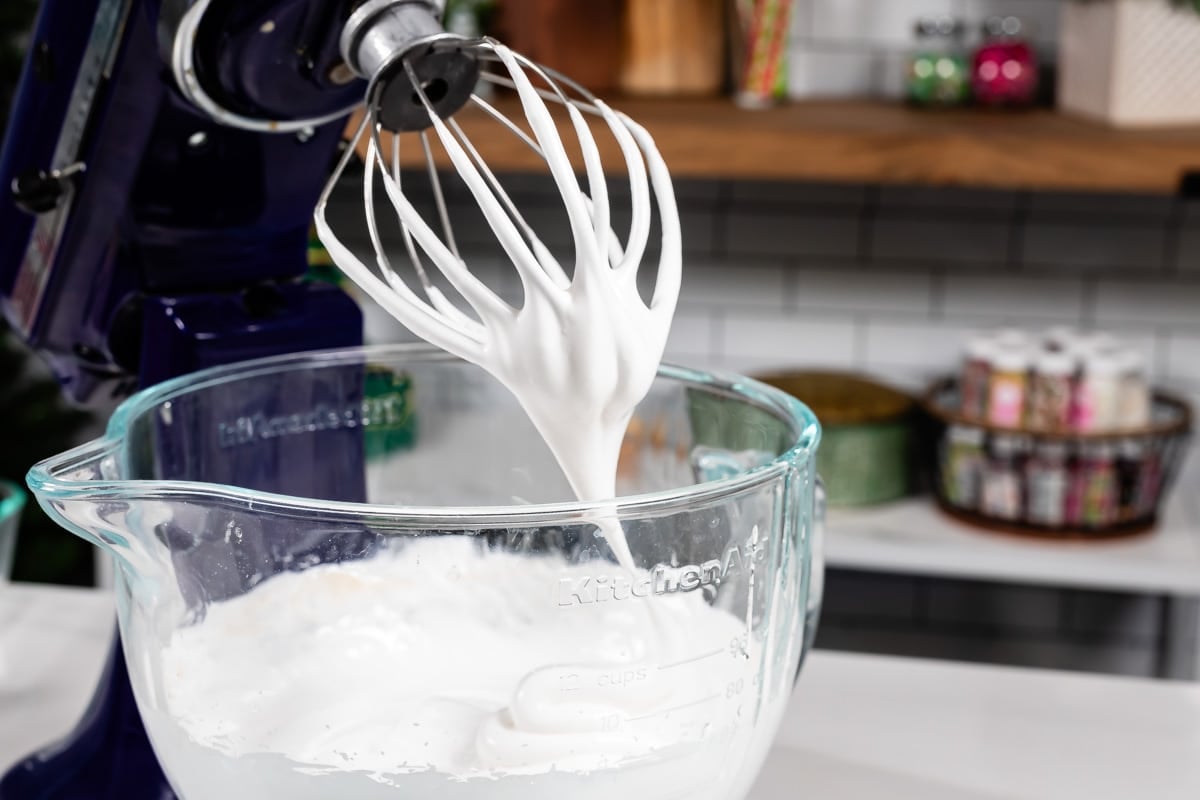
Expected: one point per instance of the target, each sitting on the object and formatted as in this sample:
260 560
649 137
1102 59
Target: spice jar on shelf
1097 393
1007 387
1050 391
1001 484
1099 469
938 72
1046 481
1004 71
976 375
964 461
1133 389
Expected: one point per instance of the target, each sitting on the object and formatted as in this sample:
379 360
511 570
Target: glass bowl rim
49 486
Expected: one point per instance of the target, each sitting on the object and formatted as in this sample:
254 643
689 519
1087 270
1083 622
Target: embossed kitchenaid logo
383 410
663 579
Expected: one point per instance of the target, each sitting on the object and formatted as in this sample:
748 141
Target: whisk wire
409 245
435 297
548 263
421 318
484 302
438 199
587 250
533 277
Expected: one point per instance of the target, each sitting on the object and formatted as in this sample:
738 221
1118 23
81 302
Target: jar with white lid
1046 485
1011 338
1001 487
1097 398
1050 391
1007 387
976 374
1060 338
964 460
1133 390
1095 342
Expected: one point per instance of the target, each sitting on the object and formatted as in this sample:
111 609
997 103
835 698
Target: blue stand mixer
161 168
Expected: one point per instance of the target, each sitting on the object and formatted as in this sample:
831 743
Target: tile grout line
867 215
1018 225
1171 240
1088 308
937 294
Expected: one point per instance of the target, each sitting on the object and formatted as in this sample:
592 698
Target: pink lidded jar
1004 71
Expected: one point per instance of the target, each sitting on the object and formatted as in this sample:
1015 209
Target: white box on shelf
1131 63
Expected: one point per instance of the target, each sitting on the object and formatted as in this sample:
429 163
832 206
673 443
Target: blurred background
967 231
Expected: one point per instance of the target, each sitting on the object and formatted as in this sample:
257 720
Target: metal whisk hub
382 36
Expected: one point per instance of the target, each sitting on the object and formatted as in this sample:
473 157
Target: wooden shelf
872 142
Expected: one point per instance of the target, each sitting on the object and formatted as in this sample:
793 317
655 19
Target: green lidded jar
866 449
938 71
390 421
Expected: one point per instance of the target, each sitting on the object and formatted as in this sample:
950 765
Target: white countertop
859 727
912 536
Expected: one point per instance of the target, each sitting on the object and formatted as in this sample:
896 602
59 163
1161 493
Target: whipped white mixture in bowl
445 666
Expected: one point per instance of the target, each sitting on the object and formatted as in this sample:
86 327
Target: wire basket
1049 484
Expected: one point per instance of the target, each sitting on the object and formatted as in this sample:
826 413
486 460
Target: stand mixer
163 162
163 234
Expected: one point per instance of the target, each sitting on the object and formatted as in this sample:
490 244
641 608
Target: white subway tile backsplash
914 380
692 336
1182 361
821 73
1144 340
1159 303
1007 297
723 286
876 22
924 349
802 20
853 289
817 71
756 342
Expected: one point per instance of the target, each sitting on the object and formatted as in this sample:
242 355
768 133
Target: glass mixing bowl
360 574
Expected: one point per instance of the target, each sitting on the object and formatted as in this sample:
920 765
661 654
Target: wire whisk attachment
584 337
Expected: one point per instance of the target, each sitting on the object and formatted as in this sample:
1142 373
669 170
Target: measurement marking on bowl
692 660
673 709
